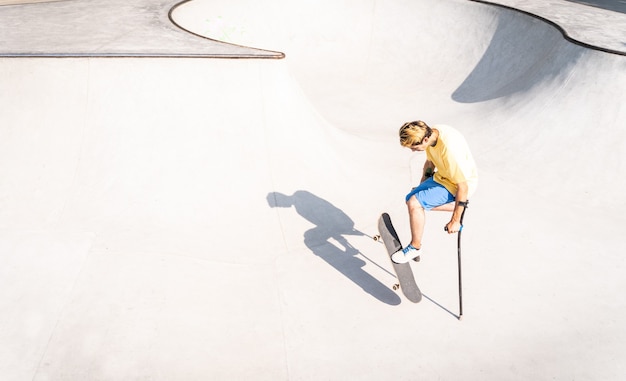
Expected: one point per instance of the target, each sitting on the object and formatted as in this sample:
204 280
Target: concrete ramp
191 218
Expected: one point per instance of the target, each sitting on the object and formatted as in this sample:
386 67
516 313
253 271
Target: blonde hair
413 133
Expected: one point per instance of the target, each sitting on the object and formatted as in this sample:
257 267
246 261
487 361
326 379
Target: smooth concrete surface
203 219
109 28
21 2
611 5
596 24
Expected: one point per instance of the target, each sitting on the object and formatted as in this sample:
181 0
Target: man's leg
432 196
417 217
449 207
417 220
435 197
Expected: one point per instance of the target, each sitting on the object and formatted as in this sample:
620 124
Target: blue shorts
431 194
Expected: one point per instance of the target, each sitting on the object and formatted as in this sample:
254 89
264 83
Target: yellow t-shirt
453 160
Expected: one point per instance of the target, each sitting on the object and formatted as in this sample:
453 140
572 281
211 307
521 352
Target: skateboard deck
406 280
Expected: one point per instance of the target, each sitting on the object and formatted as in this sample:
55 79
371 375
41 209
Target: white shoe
406 254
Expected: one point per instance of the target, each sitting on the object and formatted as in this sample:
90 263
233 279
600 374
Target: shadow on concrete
515 63
332 224
611 5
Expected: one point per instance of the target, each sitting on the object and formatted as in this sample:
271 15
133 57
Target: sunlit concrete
182 218
105 28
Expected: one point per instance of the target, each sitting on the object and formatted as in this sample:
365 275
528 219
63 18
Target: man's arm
461 198
429 170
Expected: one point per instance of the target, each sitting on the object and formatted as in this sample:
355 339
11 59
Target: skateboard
406 280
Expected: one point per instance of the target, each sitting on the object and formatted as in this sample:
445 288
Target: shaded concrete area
593 24
168 217
611 5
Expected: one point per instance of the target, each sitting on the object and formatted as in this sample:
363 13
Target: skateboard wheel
377 238
396 287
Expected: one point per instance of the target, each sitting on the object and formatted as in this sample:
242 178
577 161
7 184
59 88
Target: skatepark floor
189 191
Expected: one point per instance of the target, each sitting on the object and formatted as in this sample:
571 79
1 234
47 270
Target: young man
450 177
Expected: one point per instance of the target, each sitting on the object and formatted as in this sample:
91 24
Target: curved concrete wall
180 218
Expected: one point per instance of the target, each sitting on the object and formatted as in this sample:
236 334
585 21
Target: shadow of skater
332 223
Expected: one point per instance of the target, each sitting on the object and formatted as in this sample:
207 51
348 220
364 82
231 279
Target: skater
449 178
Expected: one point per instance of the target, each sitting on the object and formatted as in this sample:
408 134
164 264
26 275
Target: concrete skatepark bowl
171 212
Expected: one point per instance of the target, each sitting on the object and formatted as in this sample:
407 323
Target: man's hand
453 227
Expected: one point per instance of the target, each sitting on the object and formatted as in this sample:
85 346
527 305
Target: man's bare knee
413 203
